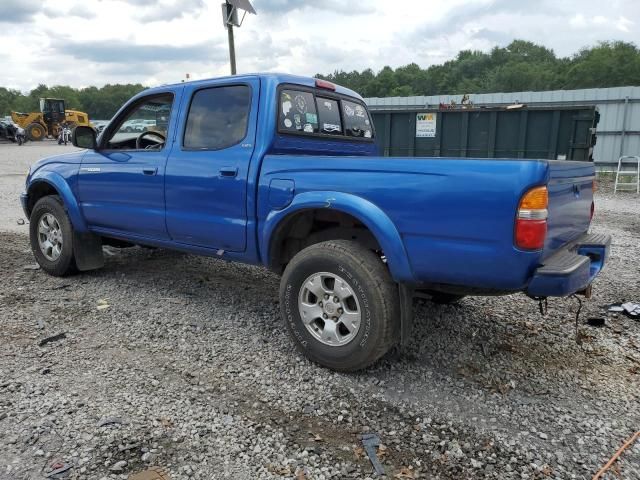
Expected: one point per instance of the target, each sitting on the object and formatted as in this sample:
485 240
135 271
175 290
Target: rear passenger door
207 170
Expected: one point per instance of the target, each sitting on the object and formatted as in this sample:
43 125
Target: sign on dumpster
426 125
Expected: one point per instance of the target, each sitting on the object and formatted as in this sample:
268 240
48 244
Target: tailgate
570 196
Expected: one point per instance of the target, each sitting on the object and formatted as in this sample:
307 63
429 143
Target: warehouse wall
618 131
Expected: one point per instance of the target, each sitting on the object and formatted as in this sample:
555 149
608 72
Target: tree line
520 66
99 103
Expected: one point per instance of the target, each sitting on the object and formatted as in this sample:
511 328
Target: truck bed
463 234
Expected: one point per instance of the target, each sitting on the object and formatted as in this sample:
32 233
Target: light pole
230 19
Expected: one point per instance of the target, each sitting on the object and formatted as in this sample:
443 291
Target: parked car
99 125
148 125
283 171
132 126
7 130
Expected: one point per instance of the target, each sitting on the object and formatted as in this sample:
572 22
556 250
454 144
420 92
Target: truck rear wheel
35 131
340 305
51 236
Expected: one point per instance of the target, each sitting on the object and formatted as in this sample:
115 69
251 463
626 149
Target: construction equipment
626 172
45 123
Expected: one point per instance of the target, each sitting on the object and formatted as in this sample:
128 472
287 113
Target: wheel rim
50 237
329 309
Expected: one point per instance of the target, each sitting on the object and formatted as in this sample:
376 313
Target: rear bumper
572 268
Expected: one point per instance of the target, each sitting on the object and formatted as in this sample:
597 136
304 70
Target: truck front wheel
340 305
51 236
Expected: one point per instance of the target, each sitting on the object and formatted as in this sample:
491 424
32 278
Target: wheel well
37 191
309 227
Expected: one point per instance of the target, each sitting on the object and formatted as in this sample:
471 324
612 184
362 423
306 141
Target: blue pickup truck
284 171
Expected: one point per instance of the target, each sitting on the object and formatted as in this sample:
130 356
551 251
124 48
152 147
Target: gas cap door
280 193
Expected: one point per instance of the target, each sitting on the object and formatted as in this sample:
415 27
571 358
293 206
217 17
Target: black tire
376 292
442 298
65 264
35 132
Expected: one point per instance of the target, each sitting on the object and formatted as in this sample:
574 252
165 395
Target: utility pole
232 49
230 19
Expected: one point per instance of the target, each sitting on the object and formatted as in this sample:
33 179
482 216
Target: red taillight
530 234
324 84
531 222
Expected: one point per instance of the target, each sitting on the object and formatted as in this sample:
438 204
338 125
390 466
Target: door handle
149 171
228 172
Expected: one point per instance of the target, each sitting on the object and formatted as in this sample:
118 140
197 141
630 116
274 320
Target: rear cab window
318 113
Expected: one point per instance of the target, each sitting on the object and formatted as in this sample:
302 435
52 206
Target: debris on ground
102 304
405 472
370 441
153 473
53 338
35 266
59 468
110 421
596 322
630 309
616 455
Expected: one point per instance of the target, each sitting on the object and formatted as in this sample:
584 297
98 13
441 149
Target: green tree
519 66
609 64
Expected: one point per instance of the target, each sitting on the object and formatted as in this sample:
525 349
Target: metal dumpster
556 132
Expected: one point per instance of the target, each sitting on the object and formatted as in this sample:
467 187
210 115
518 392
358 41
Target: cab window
356 120
329 116
218 117
144 126
298 112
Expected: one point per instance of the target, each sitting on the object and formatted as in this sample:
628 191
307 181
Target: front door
207 170
121 184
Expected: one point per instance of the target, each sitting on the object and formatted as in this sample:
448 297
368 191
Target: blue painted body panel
438 220
451 219
60 172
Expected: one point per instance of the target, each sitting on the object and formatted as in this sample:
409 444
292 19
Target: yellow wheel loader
47 121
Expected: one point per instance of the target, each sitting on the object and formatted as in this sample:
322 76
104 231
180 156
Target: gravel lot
183 362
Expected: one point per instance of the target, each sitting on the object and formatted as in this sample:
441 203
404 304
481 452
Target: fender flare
380 225
68 198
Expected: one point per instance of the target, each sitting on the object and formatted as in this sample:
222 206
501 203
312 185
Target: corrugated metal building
618 130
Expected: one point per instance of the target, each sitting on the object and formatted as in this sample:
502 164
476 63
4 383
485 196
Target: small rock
118 466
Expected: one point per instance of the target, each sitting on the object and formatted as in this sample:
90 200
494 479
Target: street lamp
230 19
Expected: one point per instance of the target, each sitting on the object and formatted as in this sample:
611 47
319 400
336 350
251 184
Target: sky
95 42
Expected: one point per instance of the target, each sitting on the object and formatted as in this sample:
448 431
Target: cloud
140 3
336 6
493 36
623 24
168 11
78 10
119 51
19 11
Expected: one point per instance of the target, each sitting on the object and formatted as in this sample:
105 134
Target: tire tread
383 285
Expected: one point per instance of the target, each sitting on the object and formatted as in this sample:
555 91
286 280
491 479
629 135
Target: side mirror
84 137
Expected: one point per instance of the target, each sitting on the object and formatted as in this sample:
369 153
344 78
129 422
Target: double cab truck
283 171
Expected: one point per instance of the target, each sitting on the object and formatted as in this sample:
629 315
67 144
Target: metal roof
588 95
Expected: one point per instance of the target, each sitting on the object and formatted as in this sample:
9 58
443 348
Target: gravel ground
183 362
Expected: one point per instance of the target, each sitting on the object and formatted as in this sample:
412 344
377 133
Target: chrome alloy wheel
329 309
50 237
